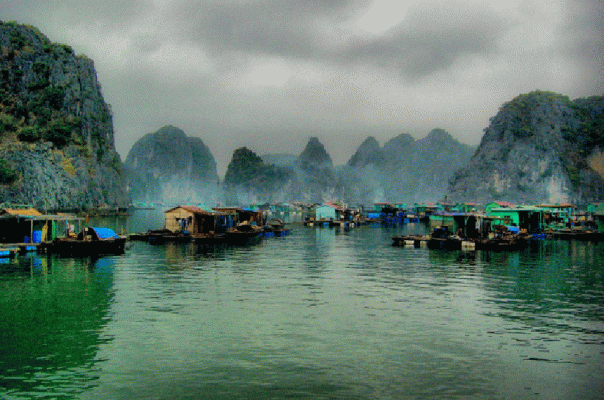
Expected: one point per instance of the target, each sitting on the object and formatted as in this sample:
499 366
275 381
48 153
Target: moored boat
275 227
90 241
243 234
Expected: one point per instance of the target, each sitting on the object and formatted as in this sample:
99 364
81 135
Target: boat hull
86 247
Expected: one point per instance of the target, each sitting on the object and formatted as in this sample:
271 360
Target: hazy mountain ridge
169 166
404 169
372 174
540 147
57 146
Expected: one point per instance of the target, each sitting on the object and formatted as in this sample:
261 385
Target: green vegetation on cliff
540 147
52 115
45 95
247 170
523 106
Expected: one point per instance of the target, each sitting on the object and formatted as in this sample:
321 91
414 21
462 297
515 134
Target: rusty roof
191 209
28 212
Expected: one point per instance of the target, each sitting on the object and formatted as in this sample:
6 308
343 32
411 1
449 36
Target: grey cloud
406 62
430 40
280 28
109 13
582 38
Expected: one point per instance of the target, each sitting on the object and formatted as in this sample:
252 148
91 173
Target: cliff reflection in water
53 314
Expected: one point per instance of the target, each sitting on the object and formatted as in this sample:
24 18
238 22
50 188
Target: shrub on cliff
7 174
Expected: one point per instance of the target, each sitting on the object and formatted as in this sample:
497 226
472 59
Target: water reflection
53 315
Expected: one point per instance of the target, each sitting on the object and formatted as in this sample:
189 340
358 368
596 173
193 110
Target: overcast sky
269 74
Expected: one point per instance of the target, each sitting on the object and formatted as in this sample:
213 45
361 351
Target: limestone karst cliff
540 147
57 147
168 166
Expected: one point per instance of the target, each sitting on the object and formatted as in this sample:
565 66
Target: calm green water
321 314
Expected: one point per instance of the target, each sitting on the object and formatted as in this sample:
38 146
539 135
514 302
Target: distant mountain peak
369 152
315 153
167 165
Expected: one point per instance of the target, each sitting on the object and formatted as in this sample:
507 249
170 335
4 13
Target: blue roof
105 233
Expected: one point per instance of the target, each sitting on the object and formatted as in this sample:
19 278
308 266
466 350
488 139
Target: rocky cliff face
540 147
167 166
56 132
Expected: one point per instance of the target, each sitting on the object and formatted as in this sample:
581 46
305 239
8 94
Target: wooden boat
506 243
243 234
576 234
275 227
90 241
162 236
240 235
441 238
209 238
165 235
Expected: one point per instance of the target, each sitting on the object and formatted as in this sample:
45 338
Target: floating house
497 204
242 215
531 218
557 215
425 210
196 220
325 213
28 225
468 207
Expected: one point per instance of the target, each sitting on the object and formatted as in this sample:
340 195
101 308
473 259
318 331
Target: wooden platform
12 249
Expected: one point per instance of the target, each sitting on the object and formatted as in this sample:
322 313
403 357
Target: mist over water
323 313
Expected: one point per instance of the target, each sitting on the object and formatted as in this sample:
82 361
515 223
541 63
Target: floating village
497 226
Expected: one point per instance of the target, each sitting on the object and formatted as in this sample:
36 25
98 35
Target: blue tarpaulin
105 233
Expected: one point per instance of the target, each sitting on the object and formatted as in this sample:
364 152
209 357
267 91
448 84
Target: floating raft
411 240
11 250
433 243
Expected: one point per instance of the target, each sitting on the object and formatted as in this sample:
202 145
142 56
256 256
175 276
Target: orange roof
29 212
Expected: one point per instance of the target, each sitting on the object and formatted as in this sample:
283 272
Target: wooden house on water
196 220
557 216
28 225
531 218
242 216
